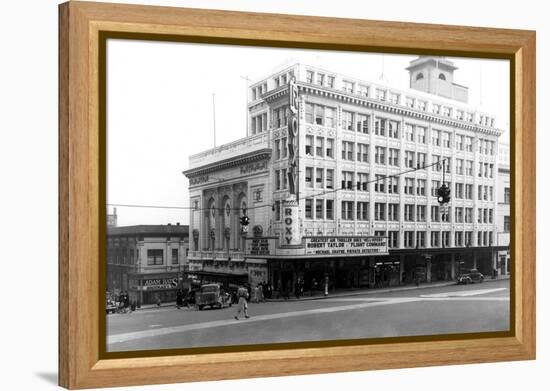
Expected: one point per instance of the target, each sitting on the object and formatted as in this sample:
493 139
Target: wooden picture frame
83 28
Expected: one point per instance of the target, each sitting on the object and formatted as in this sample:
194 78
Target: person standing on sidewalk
242 294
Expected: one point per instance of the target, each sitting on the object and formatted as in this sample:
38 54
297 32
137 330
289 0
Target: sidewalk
343 293
372 291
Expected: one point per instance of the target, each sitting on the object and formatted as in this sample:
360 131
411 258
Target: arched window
419 76
442 76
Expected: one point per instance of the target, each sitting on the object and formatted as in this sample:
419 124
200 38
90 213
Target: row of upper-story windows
259 123
258 91
325 79
282 79
320 78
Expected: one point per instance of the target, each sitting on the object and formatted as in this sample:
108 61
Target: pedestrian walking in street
261 297
242 293
179 299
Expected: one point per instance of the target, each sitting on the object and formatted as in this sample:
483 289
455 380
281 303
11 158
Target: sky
160 99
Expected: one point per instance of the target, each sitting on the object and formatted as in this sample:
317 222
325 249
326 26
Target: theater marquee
346 245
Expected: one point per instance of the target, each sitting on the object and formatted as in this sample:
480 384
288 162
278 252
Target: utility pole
246 99
214 116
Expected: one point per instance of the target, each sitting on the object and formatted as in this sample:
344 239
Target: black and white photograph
262 195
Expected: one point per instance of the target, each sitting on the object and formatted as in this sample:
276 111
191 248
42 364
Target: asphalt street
427 311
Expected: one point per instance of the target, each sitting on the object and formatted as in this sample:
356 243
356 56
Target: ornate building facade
369 160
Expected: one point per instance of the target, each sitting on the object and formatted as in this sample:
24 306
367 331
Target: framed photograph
297 194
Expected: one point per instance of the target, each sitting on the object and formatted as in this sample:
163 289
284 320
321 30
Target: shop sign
260 246
346 245
160 283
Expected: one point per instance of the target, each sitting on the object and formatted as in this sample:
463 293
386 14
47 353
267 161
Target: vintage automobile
470 277
213 296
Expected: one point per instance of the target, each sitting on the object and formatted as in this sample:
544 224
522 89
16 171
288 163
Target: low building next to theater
339 178
147 261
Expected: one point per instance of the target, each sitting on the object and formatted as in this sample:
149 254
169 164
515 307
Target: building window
319 215
319 178
393 239
442 76
409 132
309 77
393 157
381 94
362 123
421 160
277 149
409 159
468 215
459 142
330 148
380 211
419 76
347 150
446 238
347 210
319 147
409 186
380 184
309 146
285 178
347 180
468 238
420 239
320 79
434 239
409 212
506 195
421 187
436 137
380 126
435 214
277 180
330 178
506 223
393 185
446 139
393 129
284 147
393 212
459 215
363 90
277 210
362 211
409 102
408 239
155 257
330 81
459 236
175 258
380 155
362 153
320 115
347 120
394 98
459 166
362 181
459 190
421 213
347 86
309 177
330 209
309 205
421 134
469 168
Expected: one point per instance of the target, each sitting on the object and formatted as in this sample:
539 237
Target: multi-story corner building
503 209
369 160
147 261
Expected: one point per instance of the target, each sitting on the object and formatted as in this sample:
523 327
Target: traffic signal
245 220
443 194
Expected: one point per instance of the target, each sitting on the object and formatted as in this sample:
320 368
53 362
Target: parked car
470 277
213 296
